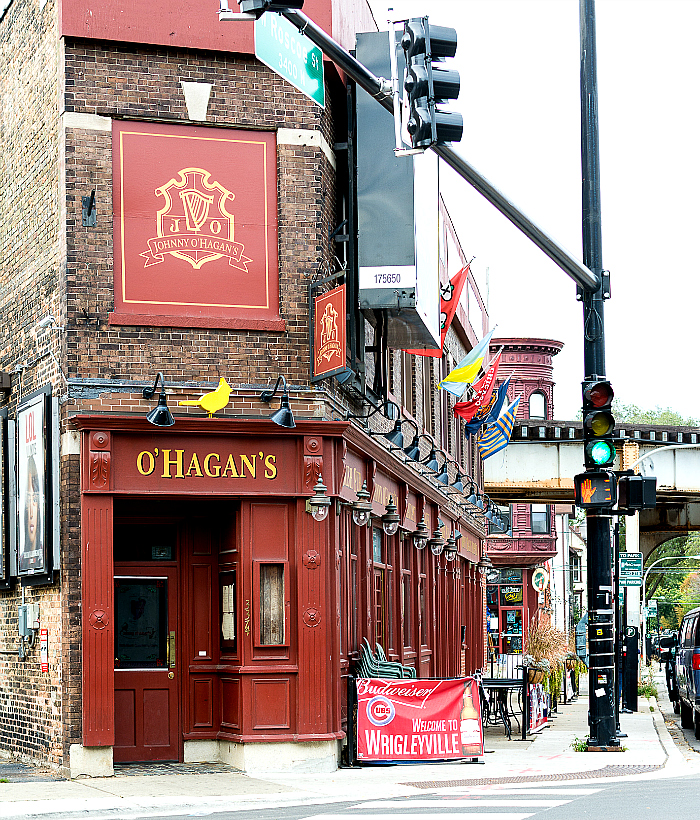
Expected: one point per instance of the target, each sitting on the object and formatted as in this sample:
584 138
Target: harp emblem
194 224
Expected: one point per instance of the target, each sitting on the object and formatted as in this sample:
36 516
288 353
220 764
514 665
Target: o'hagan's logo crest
194 224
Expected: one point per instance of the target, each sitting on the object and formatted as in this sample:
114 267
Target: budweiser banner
411 719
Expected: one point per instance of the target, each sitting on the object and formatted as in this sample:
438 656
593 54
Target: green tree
632 414
674 584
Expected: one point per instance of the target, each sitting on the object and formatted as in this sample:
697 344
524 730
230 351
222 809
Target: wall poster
5 581
34 489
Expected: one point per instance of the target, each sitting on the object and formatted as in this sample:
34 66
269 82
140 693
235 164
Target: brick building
531 541
167 203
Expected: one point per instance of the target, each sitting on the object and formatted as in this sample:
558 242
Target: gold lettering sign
169 463
352 478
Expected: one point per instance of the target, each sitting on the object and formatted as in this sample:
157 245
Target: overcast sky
519 65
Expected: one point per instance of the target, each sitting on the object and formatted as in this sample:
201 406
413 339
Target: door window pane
141 607
377 555
228 611
271 603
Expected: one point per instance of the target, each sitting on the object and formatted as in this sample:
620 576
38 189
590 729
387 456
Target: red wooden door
146 674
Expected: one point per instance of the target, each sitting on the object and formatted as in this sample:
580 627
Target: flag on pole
468 369
482 389
496 436
490 411
449 299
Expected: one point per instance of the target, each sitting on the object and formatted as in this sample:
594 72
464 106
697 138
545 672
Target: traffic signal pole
601 607
382 91
589 277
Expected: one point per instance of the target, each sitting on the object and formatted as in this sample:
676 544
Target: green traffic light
601 453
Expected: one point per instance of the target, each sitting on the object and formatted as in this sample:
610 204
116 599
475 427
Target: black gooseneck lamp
160 416
283 416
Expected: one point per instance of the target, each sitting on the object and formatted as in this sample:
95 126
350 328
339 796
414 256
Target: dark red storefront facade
252 611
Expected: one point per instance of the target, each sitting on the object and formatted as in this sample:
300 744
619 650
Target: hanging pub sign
195 227
409 719
34 489
329 350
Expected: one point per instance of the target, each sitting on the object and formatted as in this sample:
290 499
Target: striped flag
482 392
496 436
468 369
490 411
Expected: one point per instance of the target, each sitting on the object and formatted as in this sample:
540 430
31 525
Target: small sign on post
630 569
280 45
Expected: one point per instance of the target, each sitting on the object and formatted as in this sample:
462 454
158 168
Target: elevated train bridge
543 457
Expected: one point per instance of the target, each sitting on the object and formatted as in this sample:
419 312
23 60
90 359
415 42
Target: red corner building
178 230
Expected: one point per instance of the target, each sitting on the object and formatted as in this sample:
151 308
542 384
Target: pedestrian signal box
595 489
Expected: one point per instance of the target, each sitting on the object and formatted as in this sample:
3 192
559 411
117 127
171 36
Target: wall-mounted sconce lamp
484 564
413 449
473 493
458 483
390 520
420 536
431 462
283 416
319 503
437 542
450 550
443 476
395 436
362 508
160 415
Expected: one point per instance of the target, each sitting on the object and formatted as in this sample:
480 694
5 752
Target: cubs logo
194 224
380 710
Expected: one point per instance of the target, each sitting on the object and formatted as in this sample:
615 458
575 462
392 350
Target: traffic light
598 424
596 488
427 83
259 7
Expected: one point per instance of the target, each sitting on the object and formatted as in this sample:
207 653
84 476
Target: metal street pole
601 625
381 89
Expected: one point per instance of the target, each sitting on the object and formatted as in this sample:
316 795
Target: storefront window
271 604
504 605
539 519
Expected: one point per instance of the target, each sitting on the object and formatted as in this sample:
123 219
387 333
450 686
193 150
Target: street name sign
280 45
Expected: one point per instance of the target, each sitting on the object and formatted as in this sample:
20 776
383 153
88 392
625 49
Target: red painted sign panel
330 352
215 464
195 227
176 24
412 719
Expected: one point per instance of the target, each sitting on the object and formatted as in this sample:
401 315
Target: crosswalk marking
468 815
448 803
496 789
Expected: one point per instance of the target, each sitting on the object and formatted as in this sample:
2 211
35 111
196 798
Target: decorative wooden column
97 572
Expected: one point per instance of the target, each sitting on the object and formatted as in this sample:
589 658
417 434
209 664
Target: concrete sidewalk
545 756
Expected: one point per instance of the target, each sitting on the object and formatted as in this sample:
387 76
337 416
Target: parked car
688 670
